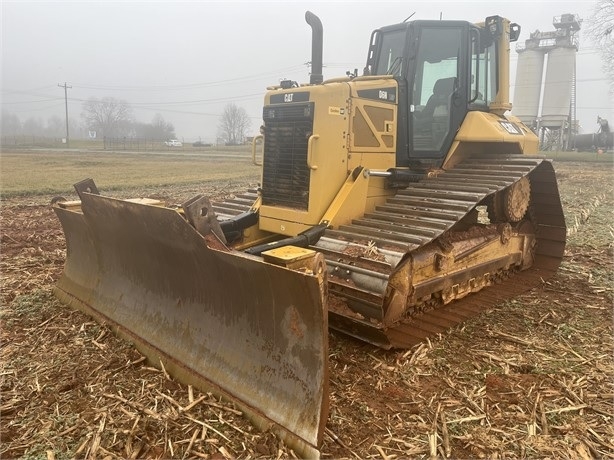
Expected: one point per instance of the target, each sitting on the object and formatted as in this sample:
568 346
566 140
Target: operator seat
432 123
442 90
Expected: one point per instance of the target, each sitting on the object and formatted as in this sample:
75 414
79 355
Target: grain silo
556 51
528 84
559 85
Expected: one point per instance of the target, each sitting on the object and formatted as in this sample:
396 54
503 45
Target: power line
188 85
38 109
32 102
200 101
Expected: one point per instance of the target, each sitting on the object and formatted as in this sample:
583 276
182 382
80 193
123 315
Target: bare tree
56 127
109 116
600 29
158 129
162 129
11 124
33 126
234 125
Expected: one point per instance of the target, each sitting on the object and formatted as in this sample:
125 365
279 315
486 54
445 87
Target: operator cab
444 69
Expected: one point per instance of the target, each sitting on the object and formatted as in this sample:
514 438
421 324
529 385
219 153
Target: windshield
390 60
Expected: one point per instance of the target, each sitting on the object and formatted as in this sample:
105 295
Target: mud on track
532 377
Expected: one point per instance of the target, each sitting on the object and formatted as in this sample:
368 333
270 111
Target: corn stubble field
528 378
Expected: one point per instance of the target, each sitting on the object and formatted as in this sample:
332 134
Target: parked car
201 144
173 143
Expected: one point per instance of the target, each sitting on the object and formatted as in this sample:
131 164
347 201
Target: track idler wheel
511 204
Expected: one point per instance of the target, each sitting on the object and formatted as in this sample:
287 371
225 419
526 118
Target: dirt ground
529 378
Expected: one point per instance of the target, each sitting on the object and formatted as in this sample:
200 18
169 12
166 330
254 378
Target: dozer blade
250 331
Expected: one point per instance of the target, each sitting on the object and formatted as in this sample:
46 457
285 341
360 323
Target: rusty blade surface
250 331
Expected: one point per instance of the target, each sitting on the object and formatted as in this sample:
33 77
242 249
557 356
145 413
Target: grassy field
29 173
586 157
47 172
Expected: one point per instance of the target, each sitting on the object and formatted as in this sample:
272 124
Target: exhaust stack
316 47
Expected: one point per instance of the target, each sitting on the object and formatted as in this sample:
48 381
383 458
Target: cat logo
383 95
510 127
288 97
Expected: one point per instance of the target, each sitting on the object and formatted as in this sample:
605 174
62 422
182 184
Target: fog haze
187 60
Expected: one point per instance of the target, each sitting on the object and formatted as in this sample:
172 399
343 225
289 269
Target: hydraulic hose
307 238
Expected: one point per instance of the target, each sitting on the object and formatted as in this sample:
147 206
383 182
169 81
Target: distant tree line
52 127
108 117
113 118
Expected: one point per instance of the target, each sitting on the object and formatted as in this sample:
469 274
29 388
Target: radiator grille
285 178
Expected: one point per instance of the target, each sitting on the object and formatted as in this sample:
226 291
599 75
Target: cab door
438 88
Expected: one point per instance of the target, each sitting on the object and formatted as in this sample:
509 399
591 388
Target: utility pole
66 105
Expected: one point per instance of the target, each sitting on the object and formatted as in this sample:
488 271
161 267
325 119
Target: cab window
484 74
391 51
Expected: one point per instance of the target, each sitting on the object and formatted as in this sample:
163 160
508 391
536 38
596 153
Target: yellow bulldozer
392 206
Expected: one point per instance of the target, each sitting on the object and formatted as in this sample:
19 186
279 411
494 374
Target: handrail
254 141
310 146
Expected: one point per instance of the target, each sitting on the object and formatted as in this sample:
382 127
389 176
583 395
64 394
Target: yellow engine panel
354 125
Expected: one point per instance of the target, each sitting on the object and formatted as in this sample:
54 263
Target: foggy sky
187 60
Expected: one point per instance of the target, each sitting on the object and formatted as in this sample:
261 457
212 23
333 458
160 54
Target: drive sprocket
511 204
